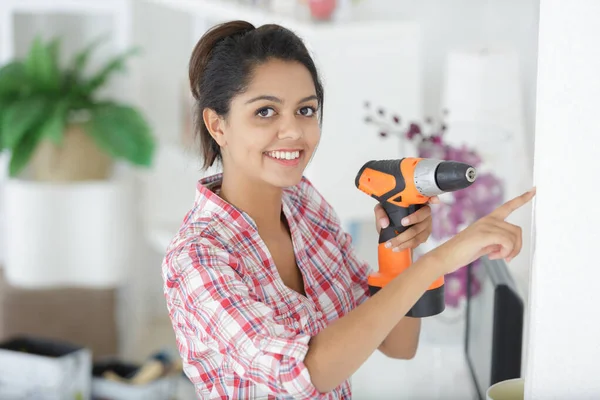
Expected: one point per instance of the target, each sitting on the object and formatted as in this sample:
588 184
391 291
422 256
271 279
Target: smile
288 158
284 155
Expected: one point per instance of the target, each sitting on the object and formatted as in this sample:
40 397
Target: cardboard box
43 369
85 316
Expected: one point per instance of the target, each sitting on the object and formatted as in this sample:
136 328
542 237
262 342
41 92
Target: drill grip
395 215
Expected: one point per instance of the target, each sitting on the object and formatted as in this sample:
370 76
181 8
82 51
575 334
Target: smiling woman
265 292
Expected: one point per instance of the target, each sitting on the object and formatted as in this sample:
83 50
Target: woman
266 295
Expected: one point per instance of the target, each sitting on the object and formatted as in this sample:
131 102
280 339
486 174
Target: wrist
435 262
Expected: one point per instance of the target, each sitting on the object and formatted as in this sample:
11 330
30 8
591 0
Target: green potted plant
63 202
55 125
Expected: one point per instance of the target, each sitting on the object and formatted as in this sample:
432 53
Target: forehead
284 79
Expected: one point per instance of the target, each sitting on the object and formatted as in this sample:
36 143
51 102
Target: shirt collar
207 199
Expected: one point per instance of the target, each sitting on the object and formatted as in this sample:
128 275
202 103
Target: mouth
285 157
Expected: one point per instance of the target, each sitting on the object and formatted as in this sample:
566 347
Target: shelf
119 10
68 6
231 10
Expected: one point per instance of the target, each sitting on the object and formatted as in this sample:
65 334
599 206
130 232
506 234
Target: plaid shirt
240 331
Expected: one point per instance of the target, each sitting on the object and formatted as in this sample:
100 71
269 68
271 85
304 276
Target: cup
511 389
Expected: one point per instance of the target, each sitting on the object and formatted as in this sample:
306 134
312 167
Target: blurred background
98 166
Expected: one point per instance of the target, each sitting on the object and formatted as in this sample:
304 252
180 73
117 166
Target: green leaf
3 105
122 132
21 116
13 78
22 152
74 74
81 58
54 127
114 65
42 64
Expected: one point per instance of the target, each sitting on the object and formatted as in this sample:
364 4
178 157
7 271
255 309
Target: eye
265 112
307 111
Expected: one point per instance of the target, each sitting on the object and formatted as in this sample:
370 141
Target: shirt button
319 314
296 325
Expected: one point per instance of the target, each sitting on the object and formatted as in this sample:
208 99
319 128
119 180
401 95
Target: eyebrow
278 100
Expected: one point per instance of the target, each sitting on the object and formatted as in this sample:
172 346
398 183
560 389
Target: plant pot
77 234
77 158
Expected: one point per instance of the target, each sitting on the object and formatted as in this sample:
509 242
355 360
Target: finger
434 200
505 239
516 234
518 244
496 253
381 219
497 242
413 243
488 251
418 216
492 251
402 239
510 206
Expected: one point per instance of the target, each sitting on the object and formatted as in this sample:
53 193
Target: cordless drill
402 187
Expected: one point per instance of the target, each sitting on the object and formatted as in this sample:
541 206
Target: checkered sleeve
359 269
216 311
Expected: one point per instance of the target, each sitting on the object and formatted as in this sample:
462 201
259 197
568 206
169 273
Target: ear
214 124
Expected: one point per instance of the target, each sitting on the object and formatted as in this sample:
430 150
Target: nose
290 128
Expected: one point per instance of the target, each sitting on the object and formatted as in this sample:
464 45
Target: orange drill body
402 192
402 187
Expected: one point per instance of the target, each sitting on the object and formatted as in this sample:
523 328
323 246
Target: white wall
564 345
458 23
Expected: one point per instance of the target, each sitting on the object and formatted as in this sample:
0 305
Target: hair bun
206 44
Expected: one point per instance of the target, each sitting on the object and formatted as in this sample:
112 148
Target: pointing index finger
510 206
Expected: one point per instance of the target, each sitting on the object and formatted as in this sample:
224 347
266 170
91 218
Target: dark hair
222 64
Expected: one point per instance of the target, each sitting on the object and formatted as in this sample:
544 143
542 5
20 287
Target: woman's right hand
490 235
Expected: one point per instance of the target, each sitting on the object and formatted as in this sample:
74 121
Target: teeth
284 155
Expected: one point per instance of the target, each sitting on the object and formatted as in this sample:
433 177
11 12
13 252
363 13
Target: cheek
312 134
249 139
254 141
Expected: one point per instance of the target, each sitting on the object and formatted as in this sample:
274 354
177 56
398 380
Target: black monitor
494 325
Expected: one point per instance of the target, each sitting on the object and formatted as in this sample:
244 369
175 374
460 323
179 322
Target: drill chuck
435 177
452 176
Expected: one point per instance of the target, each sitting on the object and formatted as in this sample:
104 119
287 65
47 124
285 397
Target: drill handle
395 215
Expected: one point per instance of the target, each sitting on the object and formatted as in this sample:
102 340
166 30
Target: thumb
381 219
494 250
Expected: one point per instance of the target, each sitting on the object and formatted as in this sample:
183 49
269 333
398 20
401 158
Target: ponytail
205 46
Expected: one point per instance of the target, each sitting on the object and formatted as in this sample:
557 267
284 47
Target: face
272 129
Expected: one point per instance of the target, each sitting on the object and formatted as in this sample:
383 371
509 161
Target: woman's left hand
417 234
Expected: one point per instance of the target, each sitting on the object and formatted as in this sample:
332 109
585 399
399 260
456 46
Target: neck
260 201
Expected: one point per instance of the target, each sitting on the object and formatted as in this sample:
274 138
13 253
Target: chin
286 181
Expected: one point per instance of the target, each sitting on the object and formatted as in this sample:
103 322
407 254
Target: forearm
403 340
341 348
